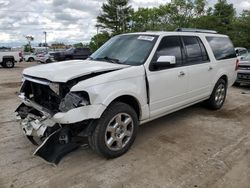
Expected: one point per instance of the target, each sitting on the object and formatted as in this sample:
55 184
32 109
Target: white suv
132 79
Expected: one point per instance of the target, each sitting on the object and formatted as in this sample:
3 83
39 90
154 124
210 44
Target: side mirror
165 61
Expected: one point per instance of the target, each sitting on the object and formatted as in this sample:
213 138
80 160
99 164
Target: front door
167 87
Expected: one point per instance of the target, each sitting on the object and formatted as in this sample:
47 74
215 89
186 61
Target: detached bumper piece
56 146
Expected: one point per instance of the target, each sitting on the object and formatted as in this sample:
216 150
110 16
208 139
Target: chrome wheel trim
119 131
9 64
220 94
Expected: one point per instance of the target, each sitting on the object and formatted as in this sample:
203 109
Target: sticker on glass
148 38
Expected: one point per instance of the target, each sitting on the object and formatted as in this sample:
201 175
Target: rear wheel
8 63
31 59
115 131
218 95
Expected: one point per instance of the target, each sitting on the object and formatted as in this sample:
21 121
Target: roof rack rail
196 30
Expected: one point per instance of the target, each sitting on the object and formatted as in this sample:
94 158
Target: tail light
237 64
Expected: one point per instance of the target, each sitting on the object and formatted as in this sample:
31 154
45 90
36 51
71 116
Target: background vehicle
243 76
132 79
30 58
9 58
241 51
72 53
45 57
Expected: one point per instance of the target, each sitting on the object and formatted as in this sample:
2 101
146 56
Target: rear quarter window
222 47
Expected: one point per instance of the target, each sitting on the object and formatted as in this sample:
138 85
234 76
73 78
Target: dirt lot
194 147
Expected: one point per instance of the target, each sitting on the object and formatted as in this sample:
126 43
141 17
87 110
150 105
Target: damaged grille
42 95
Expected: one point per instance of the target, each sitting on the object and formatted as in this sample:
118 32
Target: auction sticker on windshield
148 38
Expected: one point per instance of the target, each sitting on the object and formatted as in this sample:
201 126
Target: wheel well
224 77
132 101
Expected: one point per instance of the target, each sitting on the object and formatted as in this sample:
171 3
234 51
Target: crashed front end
54 118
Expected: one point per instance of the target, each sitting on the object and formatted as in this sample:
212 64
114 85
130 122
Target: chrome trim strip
36 81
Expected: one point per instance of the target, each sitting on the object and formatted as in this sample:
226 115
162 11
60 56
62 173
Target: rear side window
222 47
195 50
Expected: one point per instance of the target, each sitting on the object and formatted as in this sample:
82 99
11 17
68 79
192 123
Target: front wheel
8 63
115 131
218 95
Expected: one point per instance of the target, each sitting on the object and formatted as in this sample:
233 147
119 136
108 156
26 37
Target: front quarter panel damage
56 118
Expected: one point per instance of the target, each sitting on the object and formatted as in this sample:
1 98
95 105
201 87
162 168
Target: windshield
246 57
126 49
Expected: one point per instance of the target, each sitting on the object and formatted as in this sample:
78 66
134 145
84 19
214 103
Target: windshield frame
128 34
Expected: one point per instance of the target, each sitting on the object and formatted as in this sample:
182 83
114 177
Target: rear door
200 68
167 86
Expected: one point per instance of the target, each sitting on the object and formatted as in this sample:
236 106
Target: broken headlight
73 100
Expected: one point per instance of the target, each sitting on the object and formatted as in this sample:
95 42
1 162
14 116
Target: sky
68 21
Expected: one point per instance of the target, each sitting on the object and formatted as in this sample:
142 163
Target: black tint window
194 50
222 47
170 46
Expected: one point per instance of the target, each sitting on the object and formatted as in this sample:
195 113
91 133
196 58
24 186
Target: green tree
78 45
115 16
98 40
28 46
241 28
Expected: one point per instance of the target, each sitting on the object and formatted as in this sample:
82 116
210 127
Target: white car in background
9 58
243 76
240 51
30 58
45 57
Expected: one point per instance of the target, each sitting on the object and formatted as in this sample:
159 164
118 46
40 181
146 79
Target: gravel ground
194 147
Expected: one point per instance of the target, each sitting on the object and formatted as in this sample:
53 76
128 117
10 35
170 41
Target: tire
48 61
218 95
8 63
118 126
236 84
31 59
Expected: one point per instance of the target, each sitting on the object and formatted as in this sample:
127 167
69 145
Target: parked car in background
243 76
132 79
45 57
30 58
241 51
9 58
72 53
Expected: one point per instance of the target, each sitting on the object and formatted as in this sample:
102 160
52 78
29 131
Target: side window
170 46
222 47
204 54
195 50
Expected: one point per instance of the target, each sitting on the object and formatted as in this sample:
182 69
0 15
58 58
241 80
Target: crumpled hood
68 70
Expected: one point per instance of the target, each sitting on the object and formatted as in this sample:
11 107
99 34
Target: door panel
168 86
199 68
200 80
167 90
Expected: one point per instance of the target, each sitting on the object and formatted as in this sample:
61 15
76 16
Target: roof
160 33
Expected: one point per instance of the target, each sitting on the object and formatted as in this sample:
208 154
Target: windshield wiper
109 59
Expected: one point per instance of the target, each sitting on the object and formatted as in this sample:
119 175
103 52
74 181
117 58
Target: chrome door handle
182 74
210 68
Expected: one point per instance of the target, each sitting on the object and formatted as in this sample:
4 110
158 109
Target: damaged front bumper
52 131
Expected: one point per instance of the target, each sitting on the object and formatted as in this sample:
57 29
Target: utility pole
45 38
